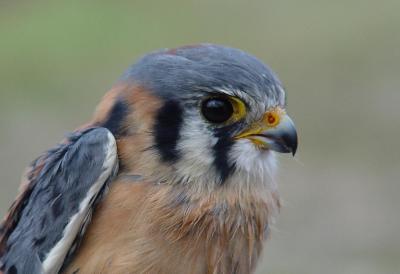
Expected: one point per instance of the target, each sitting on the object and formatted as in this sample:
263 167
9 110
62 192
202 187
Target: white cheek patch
253 165
196 163
196 149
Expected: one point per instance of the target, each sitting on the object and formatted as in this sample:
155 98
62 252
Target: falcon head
204 121
204 115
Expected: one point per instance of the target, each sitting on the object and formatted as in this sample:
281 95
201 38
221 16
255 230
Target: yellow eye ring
223 109
239 109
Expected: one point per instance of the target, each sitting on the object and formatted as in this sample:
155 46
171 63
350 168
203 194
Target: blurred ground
340 63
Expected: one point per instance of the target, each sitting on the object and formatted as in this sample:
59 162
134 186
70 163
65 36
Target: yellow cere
271 119
258 143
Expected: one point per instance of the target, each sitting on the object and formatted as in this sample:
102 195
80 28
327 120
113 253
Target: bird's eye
217 109
223 109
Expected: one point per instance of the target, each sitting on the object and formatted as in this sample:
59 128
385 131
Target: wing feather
51 213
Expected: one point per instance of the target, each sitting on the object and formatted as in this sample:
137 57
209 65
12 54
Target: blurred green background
339 61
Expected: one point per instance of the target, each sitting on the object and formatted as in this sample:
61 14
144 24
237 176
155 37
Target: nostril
271 119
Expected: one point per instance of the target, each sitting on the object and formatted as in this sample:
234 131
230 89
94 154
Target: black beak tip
294 145
294 152
290 142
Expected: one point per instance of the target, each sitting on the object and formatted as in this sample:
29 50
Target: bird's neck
144 227
221 227
223 230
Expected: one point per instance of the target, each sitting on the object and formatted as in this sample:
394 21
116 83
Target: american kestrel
174 174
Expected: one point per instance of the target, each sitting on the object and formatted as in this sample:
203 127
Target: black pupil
217 110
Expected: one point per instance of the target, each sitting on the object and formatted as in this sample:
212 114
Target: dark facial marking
167 130
116 118
221 150
221 161
12 270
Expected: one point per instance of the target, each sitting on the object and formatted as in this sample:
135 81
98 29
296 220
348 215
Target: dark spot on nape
116 117
167 130
76 271
57 207
12 270
221 161
39 241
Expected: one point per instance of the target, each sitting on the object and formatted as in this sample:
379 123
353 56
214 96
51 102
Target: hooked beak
276 132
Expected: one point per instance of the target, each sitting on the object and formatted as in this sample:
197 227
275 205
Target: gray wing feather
53 216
